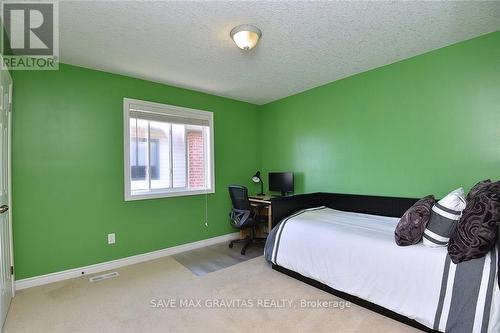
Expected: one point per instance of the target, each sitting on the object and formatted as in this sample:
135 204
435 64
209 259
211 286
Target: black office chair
244 216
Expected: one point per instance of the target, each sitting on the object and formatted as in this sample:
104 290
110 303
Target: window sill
159 195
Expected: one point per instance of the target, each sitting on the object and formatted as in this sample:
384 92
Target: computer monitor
281 182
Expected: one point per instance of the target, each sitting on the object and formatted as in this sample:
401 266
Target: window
168 150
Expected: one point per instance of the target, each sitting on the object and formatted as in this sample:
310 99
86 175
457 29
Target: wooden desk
265 211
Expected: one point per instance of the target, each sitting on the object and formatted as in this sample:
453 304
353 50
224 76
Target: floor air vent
98 278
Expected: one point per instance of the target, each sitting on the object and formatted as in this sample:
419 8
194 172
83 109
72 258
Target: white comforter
356 253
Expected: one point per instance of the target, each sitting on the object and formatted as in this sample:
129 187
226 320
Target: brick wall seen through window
196 158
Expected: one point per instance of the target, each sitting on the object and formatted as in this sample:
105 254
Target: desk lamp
256 179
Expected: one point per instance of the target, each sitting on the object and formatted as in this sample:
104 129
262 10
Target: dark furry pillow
477 230
412 225
479 187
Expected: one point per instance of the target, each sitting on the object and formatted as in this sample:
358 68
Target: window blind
169 117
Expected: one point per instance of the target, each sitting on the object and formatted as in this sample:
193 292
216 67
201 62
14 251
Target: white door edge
9 183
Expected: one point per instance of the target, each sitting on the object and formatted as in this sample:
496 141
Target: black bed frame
282 207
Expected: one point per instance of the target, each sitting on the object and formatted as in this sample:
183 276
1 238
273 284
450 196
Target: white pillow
444 218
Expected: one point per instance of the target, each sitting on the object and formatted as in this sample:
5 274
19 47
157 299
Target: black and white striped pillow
444 218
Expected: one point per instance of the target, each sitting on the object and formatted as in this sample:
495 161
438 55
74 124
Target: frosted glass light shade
246 36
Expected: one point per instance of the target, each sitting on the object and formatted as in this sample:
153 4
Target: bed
345 244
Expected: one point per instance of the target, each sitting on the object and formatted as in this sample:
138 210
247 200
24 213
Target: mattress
356 253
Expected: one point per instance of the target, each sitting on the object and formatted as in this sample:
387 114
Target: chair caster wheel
231 245
243 252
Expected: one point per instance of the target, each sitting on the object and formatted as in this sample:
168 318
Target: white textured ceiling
304 44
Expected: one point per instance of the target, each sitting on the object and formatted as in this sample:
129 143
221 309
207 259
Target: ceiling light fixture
246 36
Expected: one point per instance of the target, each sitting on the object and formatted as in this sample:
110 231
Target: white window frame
170 110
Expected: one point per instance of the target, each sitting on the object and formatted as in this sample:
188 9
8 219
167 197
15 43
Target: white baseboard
113 264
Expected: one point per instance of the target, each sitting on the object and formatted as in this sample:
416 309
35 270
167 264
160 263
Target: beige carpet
124 304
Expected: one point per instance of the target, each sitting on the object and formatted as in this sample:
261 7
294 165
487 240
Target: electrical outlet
111 238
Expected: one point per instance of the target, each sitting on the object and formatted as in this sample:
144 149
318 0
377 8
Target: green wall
68 170
424 125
